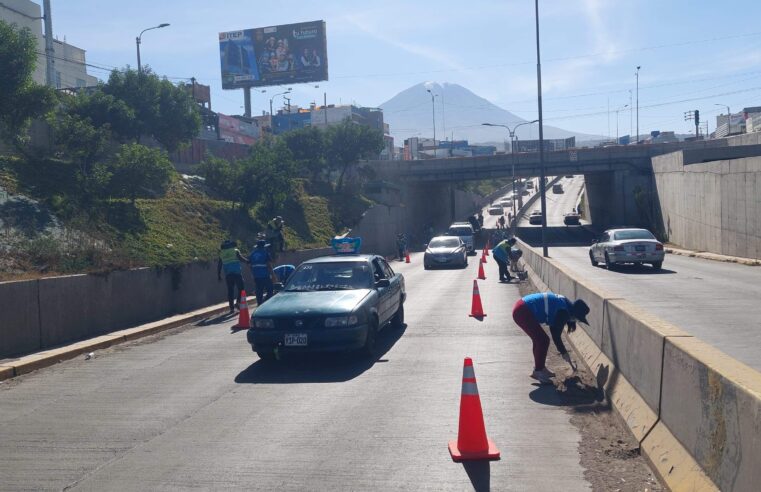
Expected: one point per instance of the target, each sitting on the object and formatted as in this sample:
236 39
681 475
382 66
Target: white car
618 246
506 203
464 231
496 210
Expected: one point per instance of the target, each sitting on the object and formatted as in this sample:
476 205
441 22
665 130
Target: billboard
276 55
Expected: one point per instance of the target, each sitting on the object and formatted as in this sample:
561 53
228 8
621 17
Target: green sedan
330 304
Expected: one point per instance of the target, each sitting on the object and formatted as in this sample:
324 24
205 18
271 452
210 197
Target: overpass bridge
620 186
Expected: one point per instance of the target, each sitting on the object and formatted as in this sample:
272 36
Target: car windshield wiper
335 288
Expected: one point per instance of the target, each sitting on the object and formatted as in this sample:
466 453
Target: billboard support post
247 101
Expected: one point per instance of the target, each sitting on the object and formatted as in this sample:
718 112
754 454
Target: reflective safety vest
259 259
230 262
500 250
545 306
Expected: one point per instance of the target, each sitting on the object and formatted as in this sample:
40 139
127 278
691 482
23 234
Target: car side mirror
384 282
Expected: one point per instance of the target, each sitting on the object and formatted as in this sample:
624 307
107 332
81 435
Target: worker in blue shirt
261 269
229 261
554 310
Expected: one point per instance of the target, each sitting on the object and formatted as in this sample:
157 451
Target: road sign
574 156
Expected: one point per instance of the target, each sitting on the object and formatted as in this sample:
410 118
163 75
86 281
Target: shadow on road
479 473
574 393
641 270
557 235
221 318
318 368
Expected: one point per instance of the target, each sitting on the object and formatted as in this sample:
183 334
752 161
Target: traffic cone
471 443
476 310
481 274
483 257
486 250
244 319
407 257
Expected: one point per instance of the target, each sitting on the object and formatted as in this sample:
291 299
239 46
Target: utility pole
694 116
542 187
631 112
433 113
247 102
49 51
637 75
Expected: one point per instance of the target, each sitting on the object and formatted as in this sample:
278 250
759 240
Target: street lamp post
729 118
274 96
433 113
617 111
138 40
513 139
542 186
637 76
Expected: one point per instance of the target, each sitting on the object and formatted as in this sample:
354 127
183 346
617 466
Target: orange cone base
477 315
491 454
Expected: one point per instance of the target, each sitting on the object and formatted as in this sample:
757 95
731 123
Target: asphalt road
715 301
196 409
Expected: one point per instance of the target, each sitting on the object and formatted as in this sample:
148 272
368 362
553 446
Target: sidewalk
713 256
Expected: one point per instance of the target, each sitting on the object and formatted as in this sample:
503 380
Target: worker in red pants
554 310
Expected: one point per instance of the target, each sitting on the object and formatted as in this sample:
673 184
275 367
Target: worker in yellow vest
229 261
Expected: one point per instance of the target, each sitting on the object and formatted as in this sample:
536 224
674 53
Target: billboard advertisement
276 55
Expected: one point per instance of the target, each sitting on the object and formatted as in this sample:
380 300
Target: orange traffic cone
244 319
407 257
483 257
481 274
476 310
486 250
471 443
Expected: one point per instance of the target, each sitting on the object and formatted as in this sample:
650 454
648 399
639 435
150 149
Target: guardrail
695 411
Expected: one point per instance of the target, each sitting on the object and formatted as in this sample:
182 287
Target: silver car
445 251
464 231
618 246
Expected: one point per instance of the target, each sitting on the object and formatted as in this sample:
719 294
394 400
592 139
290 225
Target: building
285 121
727 125
550 145
659 137
69 61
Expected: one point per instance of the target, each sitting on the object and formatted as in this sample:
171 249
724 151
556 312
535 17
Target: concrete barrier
695 411
19 317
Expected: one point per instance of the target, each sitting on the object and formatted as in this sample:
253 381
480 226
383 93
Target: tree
82 141
349 142
267 175
162 110
308 147
224 177
137 168
20 98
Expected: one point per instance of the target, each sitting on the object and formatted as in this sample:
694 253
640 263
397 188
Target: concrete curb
46 358
713 256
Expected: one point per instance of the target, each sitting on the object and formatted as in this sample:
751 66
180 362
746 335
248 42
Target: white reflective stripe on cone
469 388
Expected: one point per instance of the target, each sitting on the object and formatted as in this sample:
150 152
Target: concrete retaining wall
711 206
44 313
695 411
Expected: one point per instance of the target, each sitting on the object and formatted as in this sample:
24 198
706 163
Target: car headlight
264 323
338 321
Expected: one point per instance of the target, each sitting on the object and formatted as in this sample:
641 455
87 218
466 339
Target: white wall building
69 61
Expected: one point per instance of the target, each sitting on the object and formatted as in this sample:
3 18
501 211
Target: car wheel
266 355
372 339
608 264
592 259
397 322
657 265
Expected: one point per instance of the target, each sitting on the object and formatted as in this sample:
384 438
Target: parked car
331 303
464 231
572 218
496 210
506 203
445 251
535 218
617 246
557 188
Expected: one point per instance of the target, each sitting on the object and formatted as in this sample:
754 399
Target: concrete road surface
196 409
717 302
558 204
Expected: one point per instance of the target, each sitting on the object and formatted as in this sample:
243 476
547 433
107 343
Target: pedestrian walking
230 261
261 269
501 254
556 311
401 245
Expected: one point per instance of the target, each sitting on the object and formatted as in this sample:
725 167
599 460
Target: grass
183 226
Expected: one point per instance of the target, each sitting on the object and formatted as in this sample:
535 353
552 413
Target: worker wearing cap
229 261
554 310
261 269
501 254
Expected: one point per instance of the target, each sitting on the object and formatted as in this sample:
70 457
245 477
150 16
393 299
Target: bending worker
261 269
501 254
229 261
556 311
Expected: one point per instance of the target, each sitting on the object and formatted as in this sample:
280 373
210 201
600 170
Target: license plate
639 248
295 339
442 260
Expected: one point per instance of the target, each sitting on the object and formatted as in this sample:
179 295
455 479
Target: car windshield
460 231
633 234
344 275
444 242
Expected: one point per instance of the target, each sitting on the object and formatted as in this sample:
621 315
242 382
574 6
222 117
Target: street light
433 113
513 138
138 40
275 95
729 117
637 75
617 111
542 187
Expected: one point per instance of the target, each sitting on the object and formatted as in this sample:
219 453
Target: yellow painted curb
673 464
6 372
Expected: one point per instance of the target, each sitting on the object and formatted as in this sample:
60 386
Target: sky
693 54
